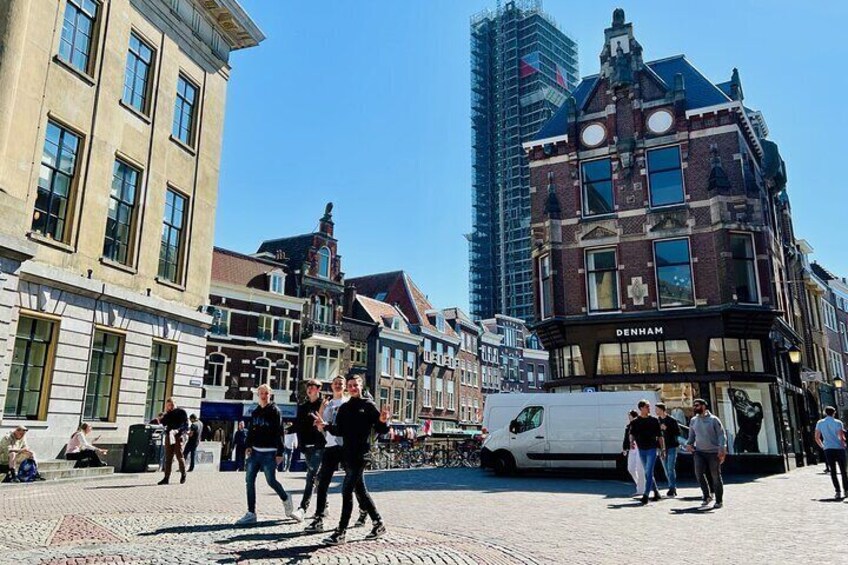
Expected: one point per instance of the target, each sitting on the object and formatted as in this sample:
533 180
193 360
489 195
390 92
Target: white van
499 409
559 431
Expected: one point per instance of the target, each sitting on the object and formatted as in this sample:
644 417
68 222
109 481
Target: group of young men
331 433
649 437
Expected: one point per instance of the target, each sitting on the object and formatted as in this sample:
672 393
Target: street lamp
838 383
794 355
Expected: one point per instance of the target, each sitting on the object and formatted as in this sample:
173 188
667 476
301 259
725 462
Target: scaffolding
522 68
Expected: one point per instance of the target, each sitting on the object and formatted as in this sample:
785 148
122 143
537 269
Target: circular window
660 121
593 135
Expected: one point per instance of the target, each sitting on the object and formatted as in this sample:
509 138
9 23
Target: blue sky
366 104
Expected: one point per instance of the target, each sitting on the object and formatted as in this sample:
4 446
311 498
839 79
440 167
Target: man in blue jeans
671 431
310 440
830 435
264 451
647 433
708 445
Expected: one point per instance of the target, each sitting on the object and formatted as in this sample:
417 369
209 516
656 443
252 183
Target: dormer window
440 323
324 263
277 282
395 323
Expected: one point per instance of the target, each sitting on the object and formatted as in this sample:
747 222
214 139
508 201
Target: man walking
355 420
240 442
309 439
671 431
830 436
264 451
175 421
331 460
708 444
646 432
193 441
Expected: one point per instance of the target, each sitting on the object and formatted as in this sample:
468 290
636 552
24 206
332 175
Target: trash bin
144 446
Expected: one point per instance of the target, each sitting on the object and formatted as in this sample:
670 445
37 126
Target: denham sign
639 332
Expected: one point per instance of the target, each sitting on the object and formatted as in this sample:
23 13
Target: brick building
659 222
470 399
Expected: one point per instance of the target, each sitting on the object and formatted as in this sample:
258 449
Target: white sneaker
287 504
249 518
298 514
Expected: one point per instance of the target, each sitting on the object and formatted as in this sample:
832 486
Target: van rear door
527 441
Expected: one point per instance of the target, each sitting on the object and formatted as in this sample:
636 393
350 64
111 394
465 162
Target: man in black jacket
647 433
264 451
175 421
671 431
355 420
309 439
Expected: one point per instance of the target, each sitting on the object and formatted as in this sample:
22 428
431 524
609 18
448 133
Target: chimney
349 299
280 256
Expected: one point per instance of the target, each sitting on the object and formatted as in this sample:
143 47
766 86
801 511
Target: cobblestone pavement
436 516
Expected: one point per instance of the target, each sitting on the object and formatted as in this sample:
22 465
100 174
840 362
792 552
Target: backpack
27 471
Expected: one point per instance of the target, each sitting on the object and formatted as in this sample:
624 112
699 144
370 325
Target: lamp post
794 355
838 383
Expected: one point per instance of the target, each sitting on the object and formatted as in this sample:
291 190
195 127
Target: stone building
660 221
111 120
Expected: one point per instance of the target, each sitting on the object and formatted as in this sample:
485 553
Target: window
602 275
77 33
324 263
101 394
262 371
829 315
276 283
440 388
450 396
674 273
159 379
397 402
597 188
184 111
398 363
170 254
410 364
451 353
568 362
746 411
665 178
358 352
844 331
384 397
282 330
409 413
541 375
476 414
440 322
326 364
440 348
220 321
29 374
428 345
645 357
121 217
426 391
531 375
395 323
545 287
836 368
386 365
744 268
215 370
529 419
738 355
322 310
137 75
282 374
265 328
55 182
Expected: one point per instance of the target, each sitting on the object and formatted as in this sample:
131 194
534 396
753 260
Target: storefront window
645 357
569 362
745 409
678 358
736 355
609 359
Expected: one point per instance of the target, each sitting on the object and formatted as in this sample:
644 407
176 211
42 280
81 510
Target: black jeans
330 463
354 482
84 458
707 462
313 455
190 449
836 457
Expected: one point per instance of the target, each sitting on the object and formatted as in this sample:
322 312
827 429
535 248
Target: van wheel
504 464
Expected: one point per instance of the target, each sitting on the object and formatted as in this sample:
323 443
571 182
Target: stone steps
54 469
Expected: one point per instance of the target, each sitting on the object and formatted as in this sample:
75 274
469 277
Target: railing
312 327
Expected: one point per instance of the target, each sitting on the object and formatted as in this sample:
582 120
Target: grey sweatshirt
707 434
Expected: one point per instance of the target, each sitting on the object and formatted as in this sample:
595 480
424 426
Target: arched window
215 369
324 263
282 373
263 369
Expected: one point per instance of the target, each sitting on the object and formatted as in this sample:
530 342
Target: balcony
311 327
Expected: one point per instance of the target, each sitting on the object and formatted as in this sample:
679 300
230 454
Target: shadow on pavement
198 528
692 510
108 487
263 536
294 554
831 499
634 504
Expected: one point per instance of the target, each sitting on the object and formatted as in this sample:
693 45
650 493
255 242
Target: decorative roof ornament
717 181
553 210
736 86
328 213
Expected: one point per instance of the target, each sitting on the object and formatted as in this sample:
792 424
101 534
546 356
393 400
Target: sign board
811 377
589 389
196 382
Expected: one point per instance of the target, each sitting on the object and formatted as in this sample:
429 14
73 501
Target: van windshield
529 419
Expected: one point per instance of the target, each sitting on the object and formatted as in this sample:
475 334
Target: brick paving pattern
435 516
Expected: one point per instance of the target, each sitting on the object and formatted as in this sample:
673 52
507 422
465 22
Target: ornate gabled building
315 274
659 217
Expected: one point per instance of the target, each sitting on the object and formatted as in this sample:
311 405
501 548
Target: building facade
659 221
110 141
468 367
522 68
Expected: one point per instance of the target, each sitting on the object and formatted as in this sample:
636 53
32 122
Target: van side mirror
513 427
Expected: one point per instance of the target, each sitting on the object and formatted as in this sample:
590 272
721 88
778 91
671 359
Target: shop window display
745 409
